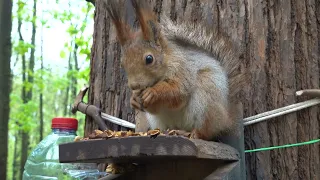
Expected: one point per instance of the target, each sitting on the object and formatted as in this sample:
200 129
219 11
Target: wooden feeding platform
160 157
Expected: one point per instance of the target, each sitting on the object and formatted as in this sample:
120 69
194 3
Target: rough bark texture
5 80
108 86
280 44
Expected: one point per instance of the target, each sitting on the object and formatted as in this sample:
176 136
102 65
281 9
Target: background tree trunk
66 110
19 138
41 92
27 93
5 80
281 47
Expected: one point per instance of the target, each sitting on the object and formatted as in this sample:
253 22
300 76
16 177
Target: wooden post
236 140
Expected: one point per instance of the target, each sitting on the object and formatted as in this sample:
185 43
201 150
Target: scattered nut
129 133
77 138
135 134
154 132
172 132
109 168
103 135
123 133
97 131
119 168
92 136
109 133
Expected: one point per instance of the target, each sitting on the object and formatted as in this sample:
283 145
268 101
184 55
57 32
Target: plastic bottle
43 162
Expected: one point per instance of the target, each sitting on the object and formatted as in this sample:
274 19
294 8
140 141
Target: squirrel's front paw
135 101
149 96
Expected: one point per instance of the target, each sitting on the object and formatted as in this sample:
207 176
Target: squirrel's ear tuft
148 21
124 32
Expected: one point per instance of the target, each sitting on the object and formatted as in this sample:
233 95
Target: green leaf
83 27
84 74
55 15
66 44
62 54
80 41
43 22
72 30
84 10
85 51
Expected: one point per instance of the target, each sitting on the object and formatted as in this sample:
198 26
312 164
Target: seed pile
120 168
107 134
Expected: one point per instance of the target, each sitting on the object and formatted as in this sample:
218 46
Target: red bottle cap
64 123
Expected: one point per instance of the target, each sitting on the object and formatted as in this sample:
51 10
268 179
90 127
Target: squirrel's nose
134 86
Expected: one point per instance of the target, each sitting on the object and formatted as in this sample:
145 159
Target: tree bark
41 93
66 100
17 158
5 79
279 41
74 80
15 164
28 93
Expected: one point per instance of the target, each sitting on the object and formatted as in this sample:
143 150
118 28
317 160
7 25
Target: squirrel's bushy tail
218 45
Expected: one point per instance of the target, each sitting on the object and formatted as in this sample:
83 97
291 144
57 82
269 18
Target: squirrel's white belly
187 118
167 119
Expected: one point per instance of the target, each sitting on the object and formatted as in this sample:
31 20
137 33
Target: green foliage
62 54
53 81
21 47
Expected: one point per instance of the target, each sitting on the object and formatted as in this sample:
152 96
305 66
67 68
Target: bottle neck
64 131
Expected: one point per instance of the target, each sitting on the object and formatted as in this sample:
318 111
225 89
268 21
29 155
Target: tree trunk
28 93
41 92
23 97
15 164
5 79
66 110
74 81
279 41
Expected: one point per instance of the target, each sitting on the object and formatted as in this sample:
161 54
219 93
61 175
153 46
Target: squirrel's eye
149 59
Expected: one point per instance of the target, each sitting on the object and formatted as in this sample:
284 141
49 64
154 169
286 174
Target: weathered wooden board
144 148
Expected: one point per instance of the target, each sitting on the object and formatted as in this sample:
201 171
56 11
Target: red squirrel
183 76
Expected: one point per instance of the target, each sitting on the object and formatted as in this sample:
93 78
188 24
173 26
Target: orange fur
165 93
144 16
124 33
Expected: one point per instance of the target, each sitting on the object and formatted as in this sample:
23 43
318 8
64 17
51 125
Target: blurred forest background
51 44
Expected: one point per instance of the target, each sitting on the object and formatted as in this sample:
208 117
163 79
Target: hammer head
79 99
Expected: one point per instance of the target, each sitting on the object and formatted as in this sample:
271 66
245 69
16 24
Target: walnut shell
97 131
154 132
77 138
